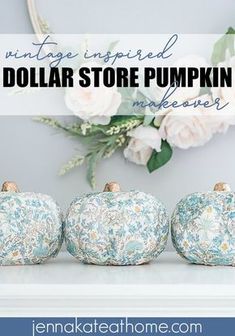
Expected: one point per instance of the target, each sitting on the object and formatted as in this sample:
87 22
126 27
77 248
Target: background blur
31 153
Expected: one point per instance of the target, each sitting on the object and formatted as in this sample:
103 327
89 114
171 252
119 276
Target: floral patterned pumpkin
30 227
203 227
116 228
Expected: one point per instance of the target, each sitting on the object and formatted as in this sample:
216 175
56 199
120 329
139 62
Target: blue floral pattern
30 228
116 228
203 228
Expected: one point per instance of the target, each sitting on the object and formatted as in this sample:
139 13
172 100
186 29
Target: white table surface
168 287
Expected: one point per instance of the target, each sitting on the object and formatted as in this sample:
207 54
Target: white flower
94 104
143 140
182 94
187 127
227 95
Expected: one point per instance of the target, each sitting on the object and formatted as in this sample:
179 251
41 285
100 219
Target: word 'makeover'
119 77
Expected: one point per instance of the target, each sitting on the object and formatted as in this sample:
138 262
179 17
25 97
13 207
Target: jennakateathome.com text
123 326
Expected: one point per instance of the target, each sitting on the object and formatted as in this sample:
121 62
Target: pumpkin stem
221 186
112 187
10 187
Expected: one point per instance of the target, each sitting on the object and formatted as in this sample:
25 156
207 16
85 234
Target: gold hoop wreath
34 17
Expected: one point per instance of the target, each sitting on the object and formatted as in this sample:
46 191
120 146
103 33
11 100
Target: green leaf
113 45
92 161
126 92
49 122
148 119
204 91
225 43
158 160
76 161
124 109
119 119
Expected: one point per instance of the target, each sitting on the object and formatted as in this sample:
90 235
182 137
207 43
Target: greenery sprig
105 140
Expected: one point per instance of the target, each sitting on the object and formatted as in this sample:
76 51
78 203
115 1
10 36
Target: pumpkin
116 228
30 227
203 227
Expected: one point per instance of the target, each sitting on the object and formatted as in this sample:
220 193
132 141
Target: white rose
94 104
143 140
188 93
188 127
226 116
182 94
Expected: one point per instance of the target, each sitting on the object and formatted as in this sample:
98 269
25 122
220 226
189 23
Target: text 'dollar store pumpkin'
116 227
203 227
30 227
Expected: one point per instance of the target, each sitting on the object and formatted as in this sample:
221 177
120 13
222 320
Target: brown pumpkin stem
10 187
112 187
221 186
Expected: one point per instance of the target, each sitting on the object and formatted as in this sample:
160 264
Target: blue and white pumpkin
116 228
30 227
203 227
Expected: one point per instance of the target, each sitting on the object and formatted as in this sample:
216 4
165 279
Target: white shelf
167 287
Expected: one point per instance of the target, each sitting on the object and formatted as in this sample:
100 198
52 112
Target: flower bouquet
107 121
